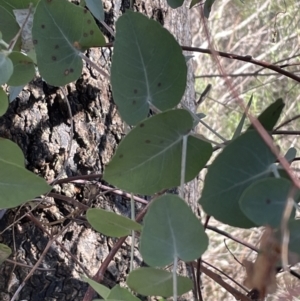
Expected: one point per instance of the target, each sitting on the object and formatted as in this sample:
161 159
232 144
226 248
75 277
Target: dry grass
247 28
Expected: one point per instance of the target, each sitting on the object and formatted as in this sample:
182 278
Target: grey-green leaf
149 158
58 45
154 282
171 230
3 102
264 201
5 252
120 293
175 3
244 161
18 185
110 223
6 68
24 69
96 8
269 117
148 68
11 153
102 290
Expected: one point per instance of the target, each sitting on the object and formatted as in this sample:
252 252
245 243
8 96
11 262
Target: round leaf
149 158
244 161
102 290
175 3
58 45
6 68
148 68
294 239
154 282
11 153
24 69
96 8
264 201
3 102
120 293
110 223
18 185
171 230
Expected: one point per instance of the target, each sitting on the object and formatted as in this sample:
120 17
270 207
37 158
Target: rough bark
38 121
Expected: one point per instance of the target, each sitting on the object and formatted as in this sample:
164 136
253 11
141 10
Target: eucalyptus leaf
58 45
3 102
148 68
148 159
294 238
96 8
264 201
171 230
5 252
269 117
175 3
102 290
291 154
120 293
6 68
14 92
24 69
18 185
239 128
11 153
154 282
110 223
207 7
244 161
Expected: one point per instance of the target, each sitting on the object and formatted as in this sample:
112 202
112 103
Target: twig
217 278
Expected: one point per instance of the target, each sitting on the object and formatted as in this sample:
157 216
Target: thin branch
244 58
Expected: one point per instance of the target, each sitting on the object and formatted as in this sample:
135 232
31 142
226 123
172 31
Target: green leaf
14 92
194 2
269 117
171 231
175 3
8 32
3 102
264 201
11 153
291 154
154 282
207 7
148 159
6 68
18 185
148 68
96 8
244 161
102 290
24 69
294 239
58 45
110 223
239 128
5 252
120 293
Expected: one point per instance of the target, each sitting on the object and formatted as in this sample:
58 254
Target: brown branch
218 279
244 58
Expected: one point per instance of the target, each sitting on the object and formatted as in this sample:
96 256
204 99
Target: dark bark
39 123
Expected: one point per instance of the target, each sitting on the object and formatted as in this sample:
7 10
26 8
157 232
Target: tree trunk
38 121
